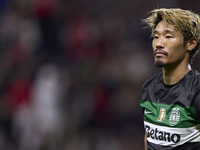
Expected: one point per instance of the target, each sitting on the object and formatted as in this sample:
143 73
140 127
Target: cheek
177 51
153 43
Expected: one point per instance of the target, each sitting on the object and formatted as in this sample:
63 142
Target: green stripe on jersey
177 116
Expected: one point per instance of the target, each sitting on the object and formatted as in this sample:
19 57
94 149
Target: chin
160 64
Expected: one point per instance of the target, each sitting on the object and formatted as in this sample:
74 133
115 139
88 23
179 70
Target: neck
171 75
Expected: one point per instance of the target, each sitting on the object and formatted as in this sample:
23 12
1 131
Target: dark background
71 72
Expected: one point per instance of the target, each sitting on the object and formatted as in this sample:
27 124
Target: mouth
160 53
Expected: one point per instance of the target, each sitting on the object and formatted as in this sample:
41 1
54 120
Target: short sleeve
197 105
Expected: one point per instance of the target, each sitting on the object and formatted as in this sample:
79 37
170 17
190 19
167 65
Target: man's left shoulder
193 80
195 75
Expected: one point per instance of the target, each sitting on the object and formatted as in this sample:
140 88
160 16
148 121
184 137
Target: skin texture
168 45
171 53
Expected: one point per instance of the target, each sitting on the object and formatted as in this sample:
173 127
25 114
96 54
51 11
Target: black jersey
172 113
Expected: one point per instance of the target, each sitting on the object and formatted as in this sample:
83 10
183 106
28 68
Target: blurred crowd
71 72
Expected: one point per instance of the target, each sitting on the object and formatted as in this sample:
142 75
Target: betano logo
162 114
155 134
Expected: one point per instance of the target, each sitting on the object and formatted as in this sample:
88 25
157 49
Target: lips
160 53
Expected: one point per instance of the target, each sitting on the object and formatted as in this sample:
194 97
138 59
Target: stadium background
71 72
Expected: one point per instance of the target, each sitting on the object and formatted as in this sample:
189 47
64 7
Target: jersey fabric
172 112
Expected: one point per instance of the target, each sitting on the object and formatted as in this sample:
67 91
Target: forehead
163 26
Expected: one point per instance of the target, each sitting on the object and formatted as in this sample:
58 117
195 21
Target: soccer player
170 99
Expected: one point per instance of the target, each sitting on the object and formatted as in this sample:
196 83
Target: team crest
174 116
162 114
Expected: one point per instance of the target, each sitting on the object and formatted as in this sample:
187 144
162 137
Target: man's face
168 45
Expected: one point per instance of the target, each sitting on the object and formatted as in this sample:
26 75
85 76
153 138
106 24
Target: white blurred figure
46 117
47 93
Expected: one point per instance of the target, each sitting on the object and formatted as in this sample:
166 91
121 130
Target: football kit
172 112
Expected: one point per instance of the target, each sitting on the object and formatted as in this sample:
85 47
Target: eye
155 37
168 36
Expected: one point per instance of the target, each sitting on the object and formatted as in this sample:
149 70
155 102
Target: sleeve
197 105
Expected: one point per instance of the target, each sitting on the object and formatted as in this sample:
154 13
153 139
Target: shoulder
192 81
149 84
195 84
195 74
152 80
197 105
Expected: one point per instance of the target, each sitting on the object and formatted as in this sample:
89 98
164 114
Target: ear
191 43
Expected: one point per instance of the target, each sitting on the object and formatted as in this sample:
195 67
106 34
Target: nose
159 43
